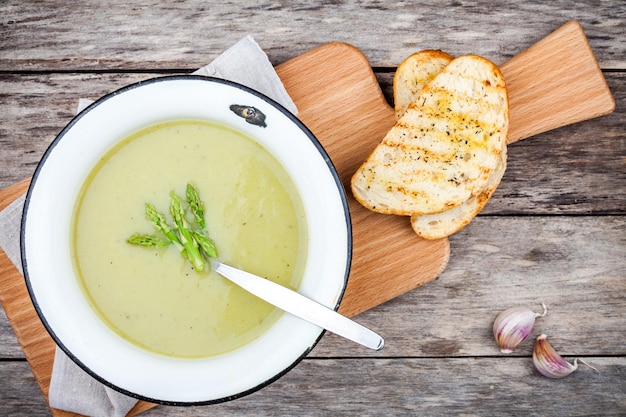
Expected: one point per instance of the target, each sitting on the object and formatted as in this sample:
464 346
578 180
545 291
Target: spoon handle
300 306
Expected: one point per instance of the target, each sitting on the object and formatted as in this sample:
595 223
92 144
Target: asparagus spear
197 208
147 240
159 223
186 238
207 245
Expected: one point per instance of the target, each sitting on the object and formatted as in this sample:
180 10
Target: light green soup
151 296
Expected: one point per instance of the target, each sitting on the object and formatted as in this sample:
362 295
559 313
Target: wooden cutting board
554 83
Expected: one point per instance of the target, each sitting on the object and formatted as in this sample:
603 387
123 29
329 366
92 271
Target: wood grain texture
573 264
22 397
50 100
114 35
391 387
9 346
383 387
554 83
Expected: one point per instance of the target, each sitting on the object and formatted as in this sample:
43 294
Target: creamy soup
152 296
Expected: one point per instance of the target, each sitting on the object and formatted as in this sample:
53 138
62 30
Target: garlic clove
513 326
548 362
551 364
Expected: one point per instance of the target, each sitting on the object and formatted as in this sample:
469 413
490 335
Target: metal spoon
300 306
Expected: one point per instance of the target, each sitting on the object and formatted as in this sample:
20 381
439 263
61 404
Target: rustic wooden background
554 232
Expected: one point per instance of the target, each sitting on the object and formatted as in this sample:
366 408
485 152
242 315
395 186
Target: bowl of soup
129 301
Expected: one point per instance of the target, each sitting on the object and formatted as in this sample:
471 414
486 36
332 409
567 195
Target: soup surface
152 296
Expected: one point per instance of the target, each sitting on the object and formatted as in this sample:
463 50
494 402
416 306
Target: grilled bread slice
442 151
413 74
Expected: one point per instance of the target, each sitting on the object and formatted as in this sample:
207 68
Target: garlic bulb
551 364
513 326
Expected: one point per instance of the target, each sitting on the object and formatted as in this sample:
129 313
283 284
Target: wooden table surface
554 232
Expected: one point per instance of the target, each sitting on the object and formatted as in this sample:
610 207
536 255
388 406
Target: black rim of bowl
96 103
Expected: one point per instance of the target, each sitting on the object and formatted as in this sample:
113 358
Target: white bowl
55 289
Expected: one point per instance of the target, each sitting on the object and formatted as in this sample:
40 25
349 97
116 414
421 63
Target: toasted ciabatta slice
413 74
443 224
442 151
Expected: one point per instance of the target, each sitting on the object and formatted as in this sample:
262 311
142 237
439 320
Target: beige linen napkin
71 388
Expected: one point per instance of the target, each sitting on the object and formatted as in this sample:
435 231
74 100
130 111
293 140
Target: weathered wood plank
9 346
154 35
582 163
399 387
576 265
442 387
19 393
36 108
